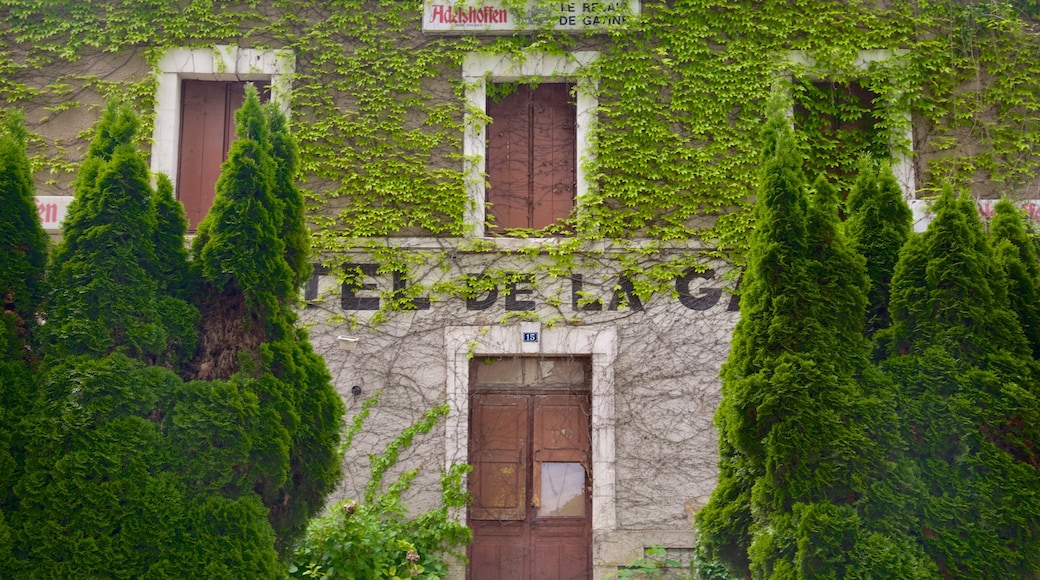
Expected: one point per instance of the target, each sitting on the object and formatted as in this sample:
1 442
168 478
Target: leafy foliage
378 538
1018 258
23 253
379 110
247 291
878 225
103 296
107 492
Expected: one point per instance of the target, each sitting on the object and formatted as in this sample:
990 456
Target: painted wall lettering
625 286
478 303
512 303
348 295
580 301
401 289
709 296
52 210
360 291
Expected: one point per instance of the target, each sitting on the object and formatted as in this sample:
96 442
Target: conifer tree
109 491
768 301
118 126
1018 258
23 252
23 243
293 227
238 250
800 461
248 291
879 223
103 294
968 398
171 256
130 471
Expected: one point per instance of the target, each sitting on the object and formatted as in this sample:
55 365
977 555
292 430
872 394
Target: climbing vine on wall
379 107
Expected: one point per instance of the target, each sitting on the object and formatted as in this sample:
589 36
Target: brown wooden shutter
207 130
531 156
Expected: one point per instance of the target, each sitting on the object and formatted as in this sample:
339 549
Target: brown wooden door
531 512
531 156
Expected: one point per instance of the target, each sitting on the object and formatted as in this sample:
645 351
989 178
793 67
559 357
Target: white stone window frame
219 63
480 69
902 161
464 342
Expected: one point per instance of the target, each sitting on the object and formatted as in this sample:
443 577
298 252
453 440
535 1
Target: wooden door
531 512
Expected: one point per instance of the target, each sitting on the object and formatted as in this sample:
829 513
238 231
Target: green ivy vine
378 108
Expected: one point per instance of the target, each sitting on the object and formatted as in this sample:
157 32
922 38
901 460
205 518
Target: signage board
52 210
502 16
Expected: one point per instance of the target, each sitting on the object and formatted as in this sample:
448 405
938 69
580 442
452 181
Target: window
207 130
531 158
199 89
841 119
839 122
537 171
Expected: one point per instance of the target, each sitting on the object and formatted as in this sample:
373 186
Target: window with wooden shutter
531 159
207 130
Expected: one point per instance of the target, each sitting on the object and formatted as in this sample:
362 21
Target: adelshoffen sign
500 16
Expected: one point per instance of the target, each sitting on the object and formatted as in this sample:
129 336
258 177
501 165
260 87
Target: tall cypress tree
129 470
879 223
800 462
23 253
1018 258
118 126
968 398
248 326
171 256
293 227
103 293
769 301
105 489
23 243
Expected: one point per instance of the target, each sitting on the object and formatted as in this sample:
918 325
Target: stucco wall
663 387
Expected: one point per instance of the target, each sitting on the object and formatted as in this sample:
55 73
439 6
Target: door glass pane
563 490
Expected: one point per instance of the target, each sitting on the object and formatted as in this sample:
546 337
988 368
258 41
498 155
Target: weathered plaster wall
664 375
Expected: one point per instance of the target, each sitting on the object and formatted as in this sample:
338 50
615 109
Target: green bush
378 538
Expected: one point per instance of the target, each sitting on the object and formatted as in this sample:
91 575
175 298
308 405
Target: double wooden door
531 511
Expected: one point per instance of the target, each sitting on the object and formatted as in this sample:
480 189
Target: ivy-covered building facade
536 211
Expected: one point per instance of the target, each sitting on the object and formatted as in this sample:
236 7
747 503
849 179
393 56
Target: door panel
203 128
554 141
499 436
497 557
560 558
546 438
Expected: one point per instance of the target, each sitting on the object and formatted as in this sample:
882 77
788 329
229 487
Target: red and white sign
490 16
52 210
